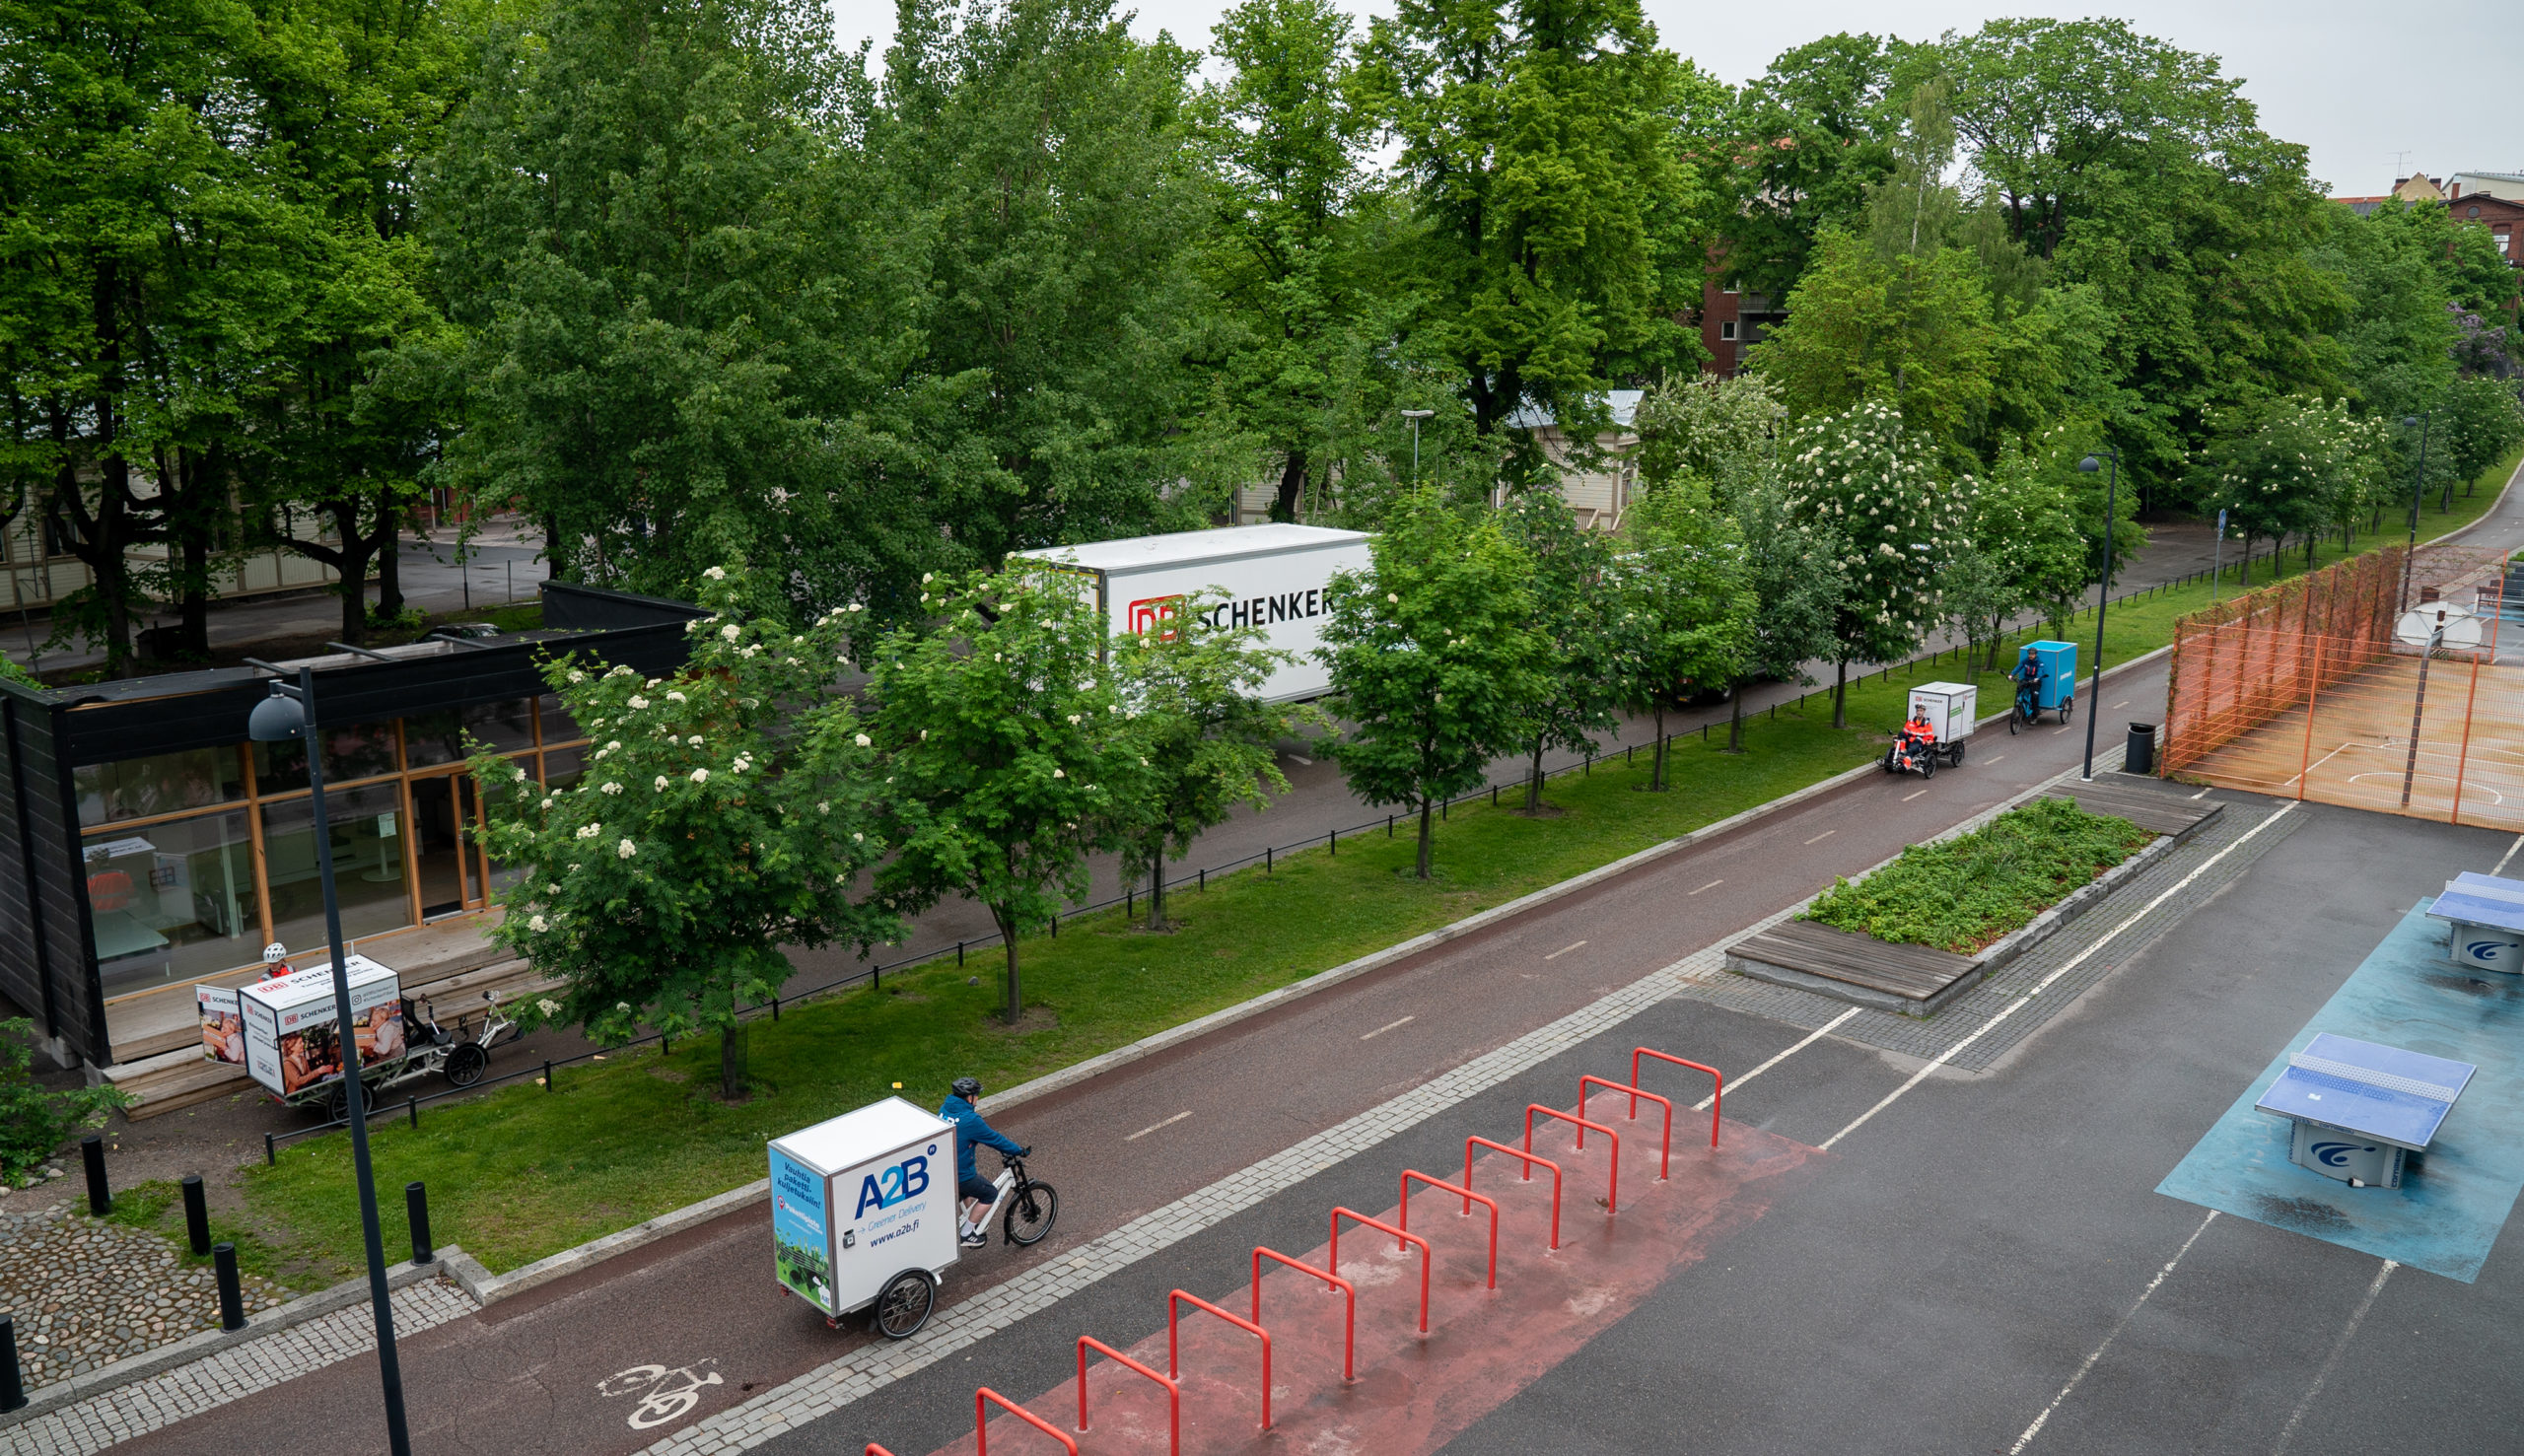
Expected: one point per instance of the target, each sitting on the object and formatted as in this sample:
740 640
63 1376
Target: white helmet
275 953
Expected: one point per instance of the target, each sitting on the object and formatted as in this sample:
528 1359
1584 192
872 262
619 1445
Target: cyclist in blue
2028 692
971 1132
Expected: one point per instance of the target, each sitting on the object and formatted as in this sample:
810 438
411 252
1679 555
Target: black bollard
92 1151
196 1215
12 1381
232 1299
416 1203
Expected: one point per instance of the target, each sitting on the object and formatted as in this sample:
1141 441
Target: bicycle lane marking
665 1394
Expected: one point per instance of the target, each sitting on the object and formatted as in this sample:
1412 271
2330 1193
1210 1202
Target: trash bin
2140 756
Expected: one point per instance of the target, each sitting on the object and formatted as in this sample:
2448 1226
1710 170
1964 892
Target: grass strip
1963 893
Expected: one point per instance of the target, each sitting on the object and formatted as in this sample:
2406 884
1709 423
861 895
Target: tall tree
1543 142
1793 567
1576 609
1810 136
1684 607
1724 430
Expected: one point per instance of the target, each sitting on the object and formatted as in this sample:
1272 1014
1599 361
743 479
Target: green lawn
523 1172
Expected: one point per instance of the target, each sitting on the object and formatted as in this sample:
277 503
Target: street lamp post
2418 487
1414 416
290 712
2102 593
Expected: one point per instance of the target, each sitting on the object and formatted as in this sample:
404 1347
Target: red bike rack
1349 1322
1173 1390
1404 1238
1612 1198
1469 1199
1174 1302
1528 1160
876 1450
1717 1099
987 1396
1666 1151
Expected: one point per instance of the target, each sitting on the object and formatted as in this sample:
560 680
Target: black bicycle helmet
968 1088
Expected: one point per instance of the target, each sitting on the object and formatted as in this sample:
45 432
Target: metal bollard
416 1205
232 1299
547 1066
12 1381
196 1215
1266 859
92 1151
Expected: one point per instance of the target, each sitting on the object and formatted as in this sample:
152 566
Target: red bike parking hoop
1175 1301
987 1396
1716 1096
1665 1149
1349 1320
1469 1199
1403 1237
1612 1198
1173 1390
1528 1160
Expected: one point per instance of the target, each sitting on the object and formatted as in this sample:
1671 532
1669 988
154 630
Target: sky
2373 92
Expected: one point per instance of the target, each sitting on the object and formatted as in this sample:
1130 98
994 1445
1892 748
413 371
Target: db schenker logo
2338 1154
1158 615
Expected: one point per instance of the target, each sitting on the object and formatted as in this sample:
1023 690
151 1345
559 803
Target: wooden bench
1914 980
2157 810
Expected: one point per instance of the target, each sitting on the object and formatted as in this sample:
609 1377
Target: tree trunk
1283 506
1006 918
1426 832
1156 890
1841 694
1735 720
557 564
731 1061
1533 782
390 560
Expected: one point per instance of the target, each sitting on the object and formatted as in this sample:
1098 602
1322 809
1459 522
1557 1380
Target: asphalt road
522 1376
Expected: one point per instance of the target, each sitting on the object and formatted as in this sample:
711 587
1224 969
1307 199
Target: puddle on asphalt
2310 1215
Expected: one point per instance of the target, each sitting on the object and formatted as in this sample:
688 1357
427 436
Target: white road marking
2123 703
2509 854
1914 793
2072 963
1713 884
1563 950
1996 758
1826 834
1811 1037
2154 1284
1170 1122
1297 758
2203 794
2338 1348
1390 1025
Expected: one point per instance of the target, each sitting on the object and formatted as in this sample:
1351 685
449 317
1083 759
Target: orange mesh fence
2244 661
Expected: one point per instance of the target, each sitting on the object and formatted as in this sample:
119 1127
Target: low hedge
1963 893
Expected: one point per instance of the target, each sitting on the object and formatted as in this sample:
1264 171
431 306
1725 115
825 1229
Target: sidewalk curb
207 1342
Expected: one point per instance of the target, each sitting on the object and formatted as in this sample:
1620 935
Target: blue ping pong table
2358 1109
2486 916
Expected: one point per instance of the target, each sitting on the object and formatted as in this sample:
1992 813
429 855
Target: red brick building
1731 322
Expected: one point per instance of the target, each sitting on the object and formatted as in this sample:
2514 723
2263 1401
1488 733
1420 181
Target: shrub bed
1963 893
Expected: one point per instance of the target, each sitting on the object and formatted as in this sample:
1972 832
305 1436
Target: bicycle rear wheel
1030 1213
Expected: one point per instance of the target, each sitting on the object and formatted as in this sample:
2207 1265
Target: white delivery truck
1272 578
863 1213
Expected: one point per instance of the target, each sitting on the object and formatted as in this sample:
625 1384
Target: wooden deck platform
1914 980
2147 803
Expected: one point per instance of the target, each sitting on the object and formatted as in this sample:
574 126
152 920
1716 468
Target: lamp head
2089 465
277 718
1419 414
2409 422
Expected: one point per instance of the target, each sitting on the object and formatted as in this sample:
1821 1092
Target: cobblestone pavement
86 1292
233 1374
1927 1036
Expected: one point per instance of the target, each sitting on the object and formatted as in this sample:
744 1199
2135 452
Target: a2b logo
1156 614
883 1190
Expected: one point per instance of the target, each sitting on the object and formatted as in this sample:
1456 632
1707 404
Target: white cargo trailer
292 1046
1272 577
862 1204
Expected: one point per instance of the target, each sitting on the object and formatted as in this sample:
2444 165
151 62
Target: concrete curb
487 1287
209 1342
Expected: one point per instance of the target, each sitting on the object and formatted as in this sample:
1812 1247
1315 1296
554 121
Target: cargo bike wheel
1030 1211
904 1304
466 1064
2068 709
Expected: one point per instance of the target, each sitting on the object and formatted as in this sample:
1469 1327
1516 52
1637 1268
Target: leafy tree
1542 143
1010 760
2483 422
1793 569
1576 611
1685 605
1874 484
1810 136
1207 741
34 1121
2289 467
723 817
2022 544
1724 430
1434 659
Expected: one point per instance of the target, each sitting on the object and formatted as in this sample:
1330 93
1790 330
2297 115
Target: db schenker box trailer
1269 576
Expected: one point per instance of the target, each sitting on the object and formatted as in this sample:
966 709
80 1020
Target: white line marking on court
1811 1037
2203 794
1563 950
2338 1348
2072 963
2035 1428
1914 793
1170 1122
1826 834
1390 1025
2509 854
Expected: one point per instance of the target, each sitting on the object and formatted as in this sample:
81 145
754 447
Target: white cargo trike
864 1214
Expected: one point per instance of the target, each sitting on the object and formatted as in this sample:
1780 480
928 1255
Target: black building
145 843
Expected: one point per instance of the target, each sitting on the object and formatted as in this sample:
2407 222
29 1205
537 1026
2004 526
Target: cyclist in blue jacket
973 1131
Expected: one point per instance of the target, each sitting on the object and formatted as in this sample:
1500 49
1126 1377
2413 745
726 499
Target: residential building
2505 185
1731 322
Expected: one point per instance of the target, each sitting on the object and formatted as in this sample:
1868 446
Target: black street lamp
2102 593
290 712
2418 487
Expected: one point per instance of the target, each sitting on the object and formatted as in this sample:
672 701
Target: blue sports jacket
972 1132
